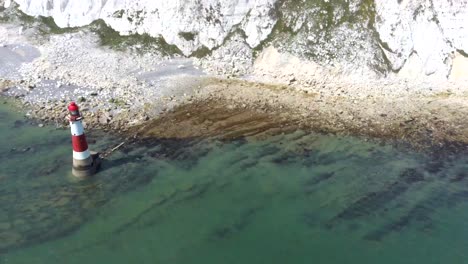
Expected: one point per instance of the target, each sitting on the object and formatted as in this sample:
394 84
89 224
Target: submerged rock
63 201
412 176
8 239
5 226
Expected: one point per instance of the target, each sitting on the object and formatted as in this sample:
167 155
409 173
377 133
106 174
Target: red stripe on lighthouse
79 143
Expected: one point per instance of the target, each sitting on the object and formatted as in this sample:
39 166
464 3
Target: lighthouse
85 162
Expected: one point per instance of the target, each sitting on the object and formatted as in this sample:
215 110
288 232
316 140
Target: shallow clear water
296 198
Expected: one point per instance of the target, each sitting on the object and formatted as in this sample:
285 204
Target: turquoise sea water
295 198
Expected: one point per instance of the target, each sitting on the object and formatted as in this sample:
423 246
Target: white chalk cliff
207 22
430 33
406 37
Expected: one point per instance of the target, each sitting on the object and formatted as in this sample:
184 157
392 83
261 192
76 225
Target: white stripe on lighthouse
81 155
76 128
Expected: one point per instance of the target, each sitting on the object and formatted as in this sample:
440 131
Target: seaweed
411 176
316 179
420 213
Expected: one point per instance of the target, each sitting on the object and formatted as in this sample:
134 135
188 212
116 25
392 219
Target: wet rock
316 179
456 198
412 176
419 214
62 201
5 226
435 165
18 124
49 169
88 204
459 177
223 232
310 218
91 141
9 239
26 149
19 222
31 208
370 203
4 89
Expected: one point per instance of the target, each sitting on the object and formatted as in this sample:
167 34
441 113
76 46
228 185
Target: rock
88 204
5 226
40 217
19 222
9 238
40 125
4 89
292 80
103 120
63 201
26 149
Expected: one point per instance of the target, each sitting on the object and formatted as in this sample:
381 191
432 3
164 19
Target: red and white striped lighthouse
85 163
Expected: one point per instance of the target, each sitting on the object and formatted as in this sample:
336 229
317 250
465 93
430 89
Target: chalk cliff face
188 24
410 38
427 32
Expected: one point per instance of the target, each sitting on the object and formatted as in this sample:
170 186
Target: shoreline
423 122
125 92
